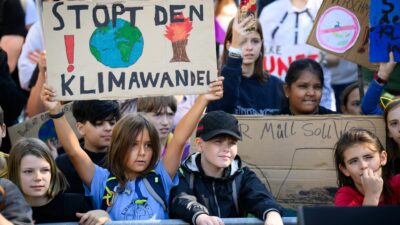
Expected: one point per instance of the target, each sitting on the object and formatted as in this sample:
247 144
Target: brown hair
258 64
156 104
349 139
392 147
35 147
123 138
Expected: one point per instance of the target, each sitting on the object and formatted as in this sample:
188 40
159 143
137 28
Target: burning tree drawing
178 33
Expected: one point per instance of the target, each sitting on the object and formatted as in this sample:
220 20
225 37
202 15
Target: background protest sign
293 155
342 29
277 58
42 127
385 30
124 49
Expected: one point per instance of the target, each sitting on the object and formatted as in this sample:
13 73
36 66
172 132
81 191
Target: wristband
234 55
380 80
56 116
235 51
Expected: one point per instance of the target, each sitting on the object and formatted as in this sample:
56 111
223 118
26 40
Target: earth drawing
117 47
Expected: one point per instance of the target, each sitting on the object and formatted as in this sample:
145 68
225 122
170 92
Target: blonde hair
35 147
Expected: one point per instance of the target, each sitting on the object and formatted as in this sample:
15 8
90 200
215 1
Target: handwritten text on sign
123 49
293 155
385 30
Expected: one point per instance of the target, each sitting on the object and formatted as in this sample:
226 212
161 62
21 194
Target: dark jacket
64 163
321 111
215 197
247 95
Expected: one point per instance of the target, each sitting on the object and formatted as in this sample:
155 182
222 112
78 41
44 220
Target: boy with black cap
224 189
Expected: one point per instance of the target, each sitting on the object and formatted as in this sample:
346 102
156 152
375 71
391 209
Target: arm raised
186 126
81 161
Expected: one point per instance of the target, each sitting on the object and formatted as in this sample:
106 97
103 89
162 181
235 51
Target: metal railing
227 221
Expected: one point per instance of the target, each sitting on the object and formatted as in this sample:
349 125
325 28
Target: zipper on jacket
215 199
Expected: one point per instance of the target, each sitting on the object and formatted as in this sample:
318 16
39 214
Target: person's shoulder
345 192
278 5
63 158
275 79
395 181
7 184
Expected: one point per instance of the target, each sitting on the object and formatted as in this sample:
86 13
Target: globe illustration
117 47
47 131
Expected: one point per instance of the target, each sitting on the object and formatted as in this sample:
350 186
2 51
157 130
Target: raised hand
372 184
205 219
42 61
240 30
215 90
47 95
33 56
385 69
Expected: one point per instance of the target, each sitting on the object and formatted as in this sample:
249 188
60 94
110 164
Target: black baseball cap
218 122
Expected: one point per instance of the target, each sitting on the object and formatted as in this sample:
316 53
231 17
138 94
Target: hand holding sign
215 90
385 69
239 31
47 96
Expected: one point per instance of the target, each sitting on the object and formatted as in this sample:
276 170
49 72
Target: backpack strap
155 187
109 192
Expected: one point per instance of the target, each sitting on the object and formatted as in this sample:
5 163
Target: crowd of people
133 160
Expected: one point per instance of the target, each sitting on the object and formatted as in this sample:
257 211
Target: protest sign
42 127
277 58
124 49
342 29
293 155
385 30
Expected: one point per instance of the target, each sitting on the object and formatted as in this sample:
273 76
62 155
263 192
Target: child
392 120
33 170
303 86
370 106
350 100
223 188
95 120
249 89
133 155
160 112
363 175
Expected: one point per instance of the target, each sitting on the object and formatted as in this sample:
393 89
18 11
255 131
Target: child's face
162 120
97 136
353 103
139 156
305 93
251 47
360 157
393 124
218 152
35 175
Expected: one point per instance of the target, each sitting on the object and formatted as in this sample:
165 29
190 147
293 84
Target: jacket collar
192 164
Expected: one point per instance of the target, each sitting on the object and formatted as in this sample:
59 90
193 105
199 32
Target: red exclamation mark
69 47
